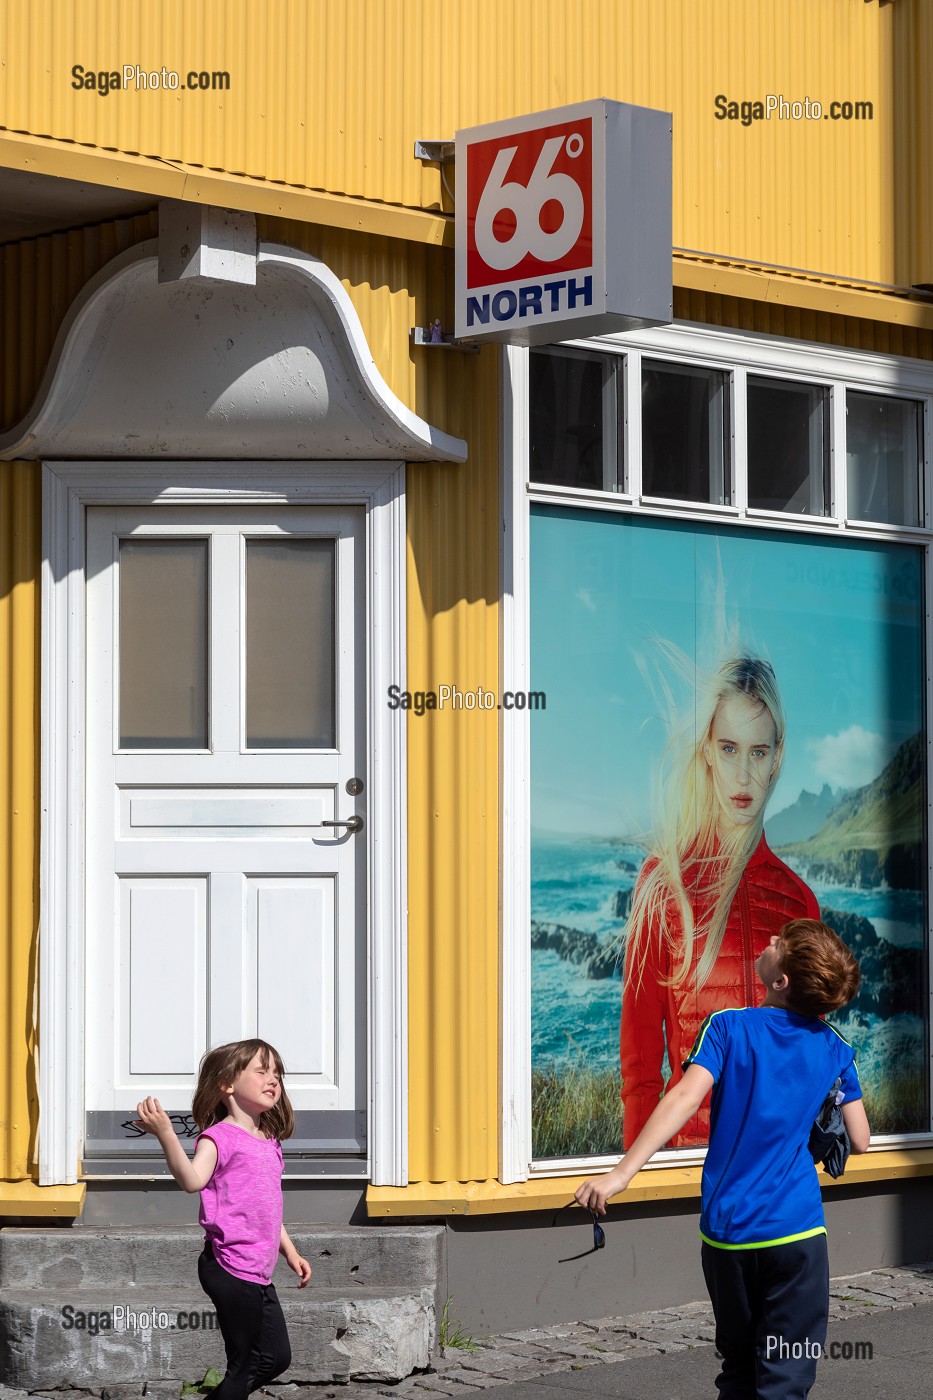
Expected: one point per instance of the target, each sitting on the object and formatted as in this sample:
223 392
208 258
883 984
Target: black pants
771 1308
253 1328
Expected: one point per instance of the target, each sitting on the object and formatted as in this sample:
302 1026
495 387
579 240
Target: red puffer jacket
769 894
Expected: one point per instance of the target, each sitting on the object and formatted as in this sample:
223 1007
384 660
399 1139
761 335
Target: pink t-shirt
241 1205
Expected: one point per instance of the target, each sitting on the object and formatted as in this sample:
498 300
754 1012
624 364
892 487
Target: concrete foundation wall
505 1271
164 1203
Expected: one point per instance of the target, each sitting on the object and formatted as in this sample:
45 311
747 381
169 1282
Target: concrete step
88 1337
369 1312
358 1256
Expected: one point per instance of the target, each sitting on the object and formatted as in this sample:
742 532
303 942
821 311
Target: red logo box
530 204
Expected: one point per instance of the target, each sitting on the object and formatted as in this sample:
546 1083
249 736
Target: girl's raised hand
154 1119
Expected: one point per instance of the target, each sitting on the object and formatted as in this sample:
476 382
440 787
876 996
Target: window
291 644
883 455
684 418
676 433
788 446
163 643
576 405
771 515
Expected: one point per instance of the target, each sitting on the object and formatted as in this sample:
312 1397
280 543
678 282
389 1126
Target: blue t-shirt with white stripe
772 1072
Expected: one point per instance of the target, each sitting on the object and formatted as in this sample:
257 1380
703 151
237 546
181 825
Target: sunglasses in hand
599 1234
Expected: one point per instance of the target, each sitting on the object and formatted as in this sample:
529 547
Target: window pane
684 418
163 644
576 400
290 644
788 446
883 458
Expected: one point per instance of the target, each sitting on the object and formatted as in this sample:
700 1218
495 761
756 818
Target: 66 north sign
564 224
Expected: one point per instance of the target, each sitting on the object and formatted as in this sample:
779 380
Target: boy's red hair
822 971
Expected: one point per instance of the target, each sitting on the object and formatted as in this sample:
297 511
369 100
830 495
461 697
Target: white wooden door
225 723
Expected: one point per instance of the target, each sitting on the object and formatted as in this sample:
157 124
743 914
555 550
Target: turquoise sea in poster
575 884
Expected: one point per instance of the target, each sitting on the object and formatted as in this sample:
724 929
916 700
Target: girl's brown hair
220 1067
822 971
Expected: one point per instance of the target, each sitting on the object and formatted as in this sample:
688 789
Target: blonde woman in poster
710 894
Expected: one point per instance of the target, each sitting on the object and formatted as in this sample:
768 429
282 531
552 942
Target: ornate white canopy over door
201 368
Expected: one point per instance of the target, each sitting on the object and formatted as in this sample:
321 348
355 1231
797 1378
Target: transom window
783 431
684 432
788 446
578 441
884 458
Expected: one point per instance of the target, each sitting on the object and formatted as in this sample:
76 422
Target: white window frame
738 353
68 488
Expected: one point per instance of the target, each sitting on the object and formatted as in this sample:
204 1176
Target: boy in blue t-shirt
764 1237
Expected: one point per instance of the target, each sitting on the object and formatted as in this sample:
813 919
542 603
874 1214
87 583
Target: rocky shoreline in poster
891 976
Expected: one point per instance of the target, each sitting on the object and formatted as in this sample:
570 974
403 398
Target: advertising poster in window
734 735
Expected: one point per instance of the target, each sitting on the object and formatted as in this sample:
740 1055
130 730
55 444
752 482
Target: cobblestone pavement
571 1346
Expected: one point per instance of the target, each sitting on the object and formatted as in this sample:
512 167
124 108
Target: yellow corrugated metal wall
912 157
39 279
799 323
19 812
332 95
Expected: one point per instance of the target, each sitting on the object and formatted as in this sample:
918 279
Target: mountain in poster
874 835
802 819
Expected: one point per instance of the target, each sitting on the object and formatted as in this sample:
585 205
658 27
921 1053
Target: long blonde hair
661 907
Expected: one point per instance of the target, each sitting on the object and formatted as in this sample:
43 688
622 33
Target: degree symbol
574 144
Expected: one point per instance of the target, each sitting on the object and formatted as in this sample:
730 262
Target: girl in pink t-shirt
244 1113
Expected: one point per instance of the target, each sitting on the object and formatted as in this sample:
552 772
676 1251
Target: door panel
291 923
163 959
225 719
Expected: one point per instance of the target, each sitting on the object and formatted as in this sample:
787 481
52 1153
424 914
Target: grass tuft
452 1334
211 1381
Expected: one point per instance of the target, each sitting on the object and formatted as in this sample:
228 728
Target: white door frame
68 488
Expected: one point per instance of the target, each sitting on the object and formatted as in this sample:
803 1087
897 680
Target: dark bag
829 1141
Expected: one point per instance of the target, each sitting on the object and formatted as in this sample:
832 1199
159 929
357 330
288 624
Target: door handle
352 824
